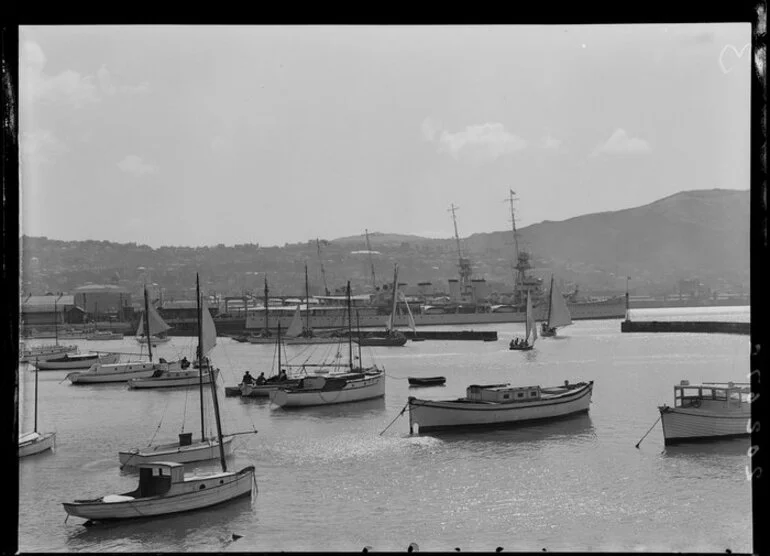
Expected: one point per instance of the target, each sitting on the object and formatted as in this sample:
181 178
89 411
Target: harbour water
327 480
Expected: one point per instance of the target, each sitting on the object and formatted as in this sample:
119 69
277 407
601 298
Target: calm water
328 480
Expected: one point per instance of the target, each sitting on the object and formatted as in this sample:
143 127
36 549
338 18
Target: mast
279 348
307 304
37 371
350 330
358 327
212 380
320 260
550 303
147 323
393 307
56 319
267 329
464 264
371 261
199 315
522 258
96 316
627 298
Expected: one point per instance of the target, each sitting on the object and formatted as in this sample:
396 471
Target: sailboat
530 330
391 337
157 326
335 386
47 351
123 372
259 389
185 450
35 442
299 335
163 488
558 313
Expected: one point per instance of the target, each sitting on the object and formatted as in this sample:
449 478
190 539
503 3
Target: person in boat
261 378
247 378
282 377
184 363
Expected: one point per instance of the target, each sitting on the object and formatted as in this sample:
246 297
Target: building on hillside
43 310
106 300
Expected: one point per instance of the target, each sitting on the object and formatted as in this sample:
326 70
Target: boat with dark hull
427 381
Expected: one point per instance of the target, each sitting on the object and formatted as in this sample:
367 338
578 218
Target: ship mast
267 328
522 257
464 264
320 260
371 261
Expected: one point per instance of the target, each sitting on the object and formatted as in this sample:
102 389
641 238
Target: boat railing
686 395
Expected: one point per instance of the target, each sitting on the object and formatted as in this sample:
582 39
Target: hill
701 234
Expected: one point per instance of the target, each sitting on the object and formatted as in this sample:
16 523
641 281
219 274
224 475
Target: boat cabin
157 477
712 394
502 393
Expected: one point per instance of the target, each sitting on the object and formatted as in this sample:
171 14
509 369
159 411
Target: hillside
700 234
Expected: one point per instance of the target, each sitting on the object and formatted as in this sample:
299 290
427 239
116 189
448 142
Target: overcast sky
175 135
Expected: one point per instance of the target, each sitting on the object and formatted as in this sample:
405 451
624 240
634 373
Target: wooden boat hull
427 381
46 441
173 379
683 424
232 391
437 415
369 387
195 493
72 362
263 390
520 348
45 353
197 451
117 372
384 342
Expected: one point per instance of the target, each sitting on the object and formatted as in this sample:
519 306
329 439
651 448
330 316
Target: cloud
40 147
133 164
620 143
478 143
549 143
67 87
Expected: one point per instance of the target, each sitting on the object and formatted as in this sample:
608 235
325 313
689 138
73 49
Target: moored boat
120 372
104 335
499 404
76 361
42 353
427 381
35 442
558 313
174 378
707 411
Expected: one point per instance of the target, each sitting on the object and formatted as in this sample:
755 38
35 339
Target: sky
201 135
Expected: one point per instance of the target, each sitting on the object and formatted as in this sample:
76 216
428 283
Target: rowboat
427 381
499 404
707 411
76 361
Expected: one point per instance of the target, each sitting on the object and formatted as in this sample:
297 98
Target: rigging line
184 413
400 413
397 377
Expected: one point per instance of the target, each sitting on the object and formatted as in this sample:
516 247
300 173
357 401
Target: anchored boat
76 361
707 411
500 404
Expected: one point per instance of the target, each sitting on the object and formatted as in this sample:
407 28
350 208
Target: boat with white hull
43 353
120 372
34 442
182 451
499 404
77 361
104 335
163 489
332 389
174 379
707 411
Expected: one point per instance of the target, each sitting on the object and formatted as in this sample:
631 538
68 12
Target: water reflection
707 448
575 426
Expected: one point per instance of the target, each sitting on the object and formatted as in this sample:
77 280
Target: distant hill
701 234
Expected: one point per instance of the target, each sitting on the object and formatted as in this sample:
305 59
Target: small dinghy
427 381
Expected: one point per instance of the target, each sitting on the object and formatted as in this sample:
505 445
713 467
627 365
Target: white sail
157 324
559 314
208 329
295 328
411 318
530 324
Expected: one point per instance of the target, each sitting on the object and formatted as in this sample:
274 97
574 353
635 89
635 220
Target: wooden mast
267 327
200 352
550 304
307 305
350 331
147 323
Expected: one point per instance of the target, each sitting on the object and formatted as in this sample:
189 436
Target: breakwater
484 335
707 327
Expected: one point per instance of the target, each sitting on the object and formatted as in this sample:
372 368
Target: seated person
247 378
261 378
282 376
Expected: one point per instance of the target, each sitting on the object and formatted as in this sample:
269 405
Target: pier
707 327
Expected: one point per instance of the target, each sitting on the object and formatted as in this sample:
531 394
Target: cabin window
720 395
520 395
506 396
201 487
221 481
532 394
708 393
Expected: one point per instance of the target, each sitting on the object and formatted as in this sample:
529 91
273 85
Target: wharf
709 327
